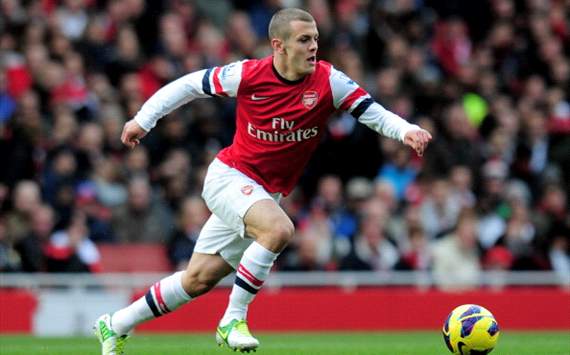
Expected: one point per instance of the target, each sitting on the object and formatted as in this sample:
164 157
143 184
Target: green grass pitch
333 343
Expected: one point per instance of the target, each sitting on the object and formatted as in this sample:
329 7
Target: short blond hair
279 25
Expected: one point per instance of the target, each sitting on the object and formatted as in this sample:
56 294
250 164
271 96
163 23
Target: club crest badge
247 190
310 99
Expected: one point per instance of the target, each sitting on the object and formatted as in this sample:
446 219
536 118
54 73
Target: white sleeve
385 122
216 81
348 96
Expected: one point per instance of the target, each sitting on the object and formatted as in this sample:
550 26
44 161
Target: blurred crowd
490 79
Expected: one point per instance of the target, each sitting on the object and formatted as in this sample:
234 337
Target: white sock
252 271
163 297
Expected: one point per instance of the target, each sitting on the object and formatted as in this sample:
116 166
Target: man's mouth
312 59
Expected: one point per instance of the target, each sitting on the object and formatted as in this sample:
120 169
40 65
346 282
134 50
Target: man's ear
278 45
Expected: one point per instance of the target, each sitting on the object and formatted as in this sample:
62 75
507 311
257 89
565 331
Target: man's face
301 47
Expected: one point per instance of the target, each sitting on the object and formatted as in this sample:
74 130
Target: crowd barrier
290 302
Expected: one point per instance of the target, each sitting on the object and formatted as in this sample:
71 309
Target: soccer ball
470 330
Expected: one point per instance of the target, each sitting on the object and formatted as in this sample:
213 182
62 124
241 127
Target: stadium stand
488 78
139 257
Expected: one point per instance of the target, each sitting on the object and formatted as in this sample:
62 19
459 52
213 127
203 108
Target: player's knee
279 235
285 232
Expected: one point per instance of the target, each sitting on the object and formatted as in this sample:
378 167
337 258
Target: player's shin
163 297
252 271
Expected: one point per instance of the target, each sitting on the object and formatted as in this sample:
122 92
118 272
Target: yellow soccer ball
470 330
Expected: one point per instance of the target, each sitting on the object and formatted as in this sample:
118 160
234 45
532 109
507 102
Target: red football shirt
279 122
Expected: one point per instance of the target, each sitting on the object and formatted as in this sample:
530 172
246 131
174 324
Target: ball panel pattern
470 330
473 309
468 324
493 329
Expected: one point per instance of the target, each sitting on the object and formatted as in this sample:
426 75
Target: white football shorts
229 194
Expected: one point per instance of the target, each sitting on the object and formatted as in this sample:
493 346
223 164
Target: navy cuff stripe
151 305
206 82
363 106
241 283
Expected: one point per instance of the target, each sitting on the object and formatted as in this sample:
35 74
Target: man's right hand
132 134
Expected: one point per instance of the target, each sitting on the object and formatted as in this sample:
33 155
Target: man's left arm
348 96
391 125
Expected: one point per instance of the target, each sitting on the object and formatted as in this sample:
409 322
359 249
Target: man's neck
284 70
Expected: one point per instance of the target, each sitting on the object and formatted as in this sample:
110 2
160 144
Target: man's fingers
419 151
419 141
132 143
129 138
425 137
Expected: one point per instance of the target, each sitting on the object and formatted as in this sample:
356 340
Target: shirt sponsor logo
282 131
310 99
247 190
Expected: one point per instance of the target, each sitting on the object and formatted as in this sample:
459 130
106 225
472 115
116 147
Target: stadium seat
134 258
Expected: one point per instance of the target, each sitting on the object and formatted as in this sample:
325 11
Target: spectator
372 248
551 212
137 162
461 180
417 255
143 218
559 253
26 200
439 209
89 148
7 103
358 191
192 216
125 57
72 18
315 239
400 226
174 173
98 217
398 172
491 202
109 188
519 237
9 260
31 248
71 250
455 255
498 258
330 197
61 170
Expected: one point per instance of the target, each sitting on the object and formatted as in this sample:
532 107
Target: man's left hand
418 139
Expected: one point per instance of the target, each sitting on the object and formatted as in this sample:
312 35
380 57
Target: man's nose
314 46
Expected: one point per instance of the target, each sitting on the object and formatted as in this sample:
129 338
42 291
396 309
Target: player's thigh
266 221
216 237
229 194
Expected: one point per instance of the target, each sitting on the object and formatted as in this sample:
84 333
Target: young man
284 102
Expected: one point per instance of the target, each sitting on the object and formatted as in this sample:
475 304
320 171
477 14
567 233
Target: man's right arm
216 81
169 98
161 103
